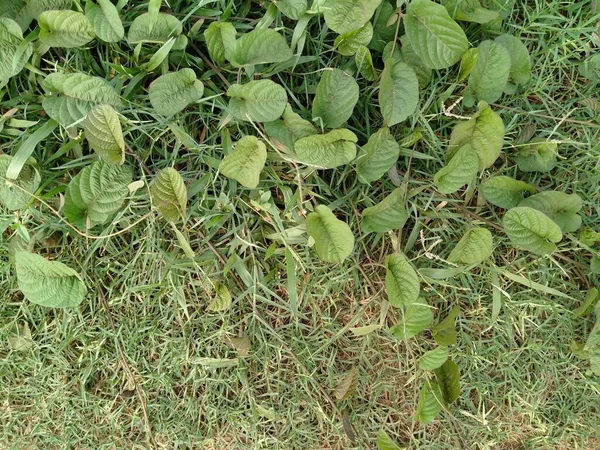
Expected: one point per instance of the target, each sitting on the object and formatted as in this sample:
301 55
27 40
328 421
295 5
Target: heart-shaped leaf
520 61
68 29
336 96
144 30
246 162
333 238
531 230
537 156
448 377
103 132
257 100
289 128
172 92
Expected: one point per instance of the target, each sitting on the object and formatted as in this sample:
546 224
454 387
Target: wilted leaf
347 385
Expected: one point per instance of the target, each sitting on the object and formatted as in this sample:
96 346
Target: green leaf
384 442
588 304
416 318
410 57
537 156
461 170
484 132
220 38
470 11
258 100
590 68
588 236
328 150
473 248
348 43
347 385
490 74
377 156
401 281
335 98
531 230
15 194
364 63
25 11
105 20
96 193
222 300
103 132
48 283
344 16
435 37
246 162
294 9
13 52
444 332
560 207
333 238
74 95
261 46
389 214
68 29
505 192
433 359
398 92
383 31
520 61
467 63
289 128
173 92
165 27
430 403
448 377
169 194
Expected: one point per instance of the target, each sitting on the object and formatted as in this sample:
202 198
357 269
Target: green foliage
444 332
377 156
398 92
433 359
173 92
461 170
222 299
384 442
289 128
258 100
169 194
430 403
220 38
333 238
520 61
259 47
143 30
505 192
531 230
490 73
103 132
246 162
328 150
336 96
401 281
473 248
389 214
68 29
105 20
448 377
15 194
416 317
14 52
470 11
344 16
537 156
560 207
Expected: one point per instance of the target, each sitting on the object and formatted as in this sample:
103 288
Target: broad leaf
490 74
560 207
333 238
257 100
294 9
537 156
347 385
384 442
473 248
246 162
364 63
530 229
222 299
444 332
398 92
434 35
68 29
417 316
169 194
344 16
383 32
430 403
103 132
389 214
520 61
25 11
15 194
259 47
401 281
461 170
48 283
105 20
505 192
220 39
377 156
328 150
173 92
410 57
335 98
448 377
289 128
13 52
433 359
470 11
143 30
348 43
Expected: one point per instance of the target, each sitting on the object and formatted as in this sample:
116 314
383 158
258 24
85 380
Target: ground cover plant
292 224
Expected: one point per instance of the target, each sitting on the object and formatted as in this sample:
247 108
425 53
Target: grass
144 364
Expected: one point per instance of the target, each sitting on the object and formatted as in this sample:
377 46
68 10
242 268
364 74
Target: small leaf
257 100
103 132
15 194
491 71
363 331
461 170
377 156
261 46
246 162
19 339
433 359
473 248
68 29
531 230
222 300
430 403
467 63
347 385
588 304
590 68
14 52
105 20
401 281
48 283
348 43
173 92
144 30
520 61
335 98
562 208
169 194
538 156
416 318
364 63
444 332
344 16
389 214
220 38
328 150
448 377
289 128
384 442
398 92
334 240
505 192
241 345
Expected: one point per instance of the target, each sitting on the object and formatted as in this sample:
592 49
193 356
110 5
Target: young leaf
470 11
294 9
505 192
520 61
328 150
105 20
490 74
164 28
96 193
435 37
220 38
169 194
335 98
246 162
348 43
103 132
484 132
347 385
398 92
48 283
289 128
173 92
467 63
433 359
15 194
68 29
377 156
531 230
588 304
364 63
410 57
262 46
334 240
560 207
222 300
430 403
417 317
344 16
538 156
13 52
448 377
444 332
401 281
384 442
257 100
389 214
473 248
461 169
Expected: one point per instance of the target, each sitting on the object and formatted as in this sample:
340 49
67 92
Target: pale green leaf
222 299
467 63
48 283
490 74
433 359
537 156
473 248
364 63
335 98
348 43
505 192
333 238
363 331
15 194
530 229
19 337
289 128
588 304
377 156
417 316
389 214
520 61
562 208
398 92
103 132
68 29
220 39
261 46
13 52
430 403
257 100
401 281
25 11
448 377
384 442
344 16
444 332
246 162
173 92
461 170
105 20
328 150
294 9
590 68
410 57
435 36
164 28
470 11
347 385
169 194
